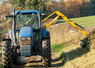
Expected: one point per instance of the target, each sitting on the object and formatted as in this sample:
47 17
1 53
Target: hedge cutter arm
80 28
66 19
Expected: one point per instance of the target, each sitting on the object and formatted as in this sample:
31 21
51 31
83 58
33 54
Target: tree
86 9
55 6
28 4
93 4
72 7
5 9
78 8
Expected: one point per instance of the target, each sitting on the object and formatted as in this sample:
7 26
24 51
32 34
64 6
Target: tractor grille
26 50
26 46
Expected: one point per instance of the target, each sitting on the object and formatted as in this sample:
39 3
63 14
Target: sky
59 0
2 0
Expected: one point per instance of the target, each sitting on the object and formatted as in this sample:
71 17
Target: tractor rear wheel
46 52
6 54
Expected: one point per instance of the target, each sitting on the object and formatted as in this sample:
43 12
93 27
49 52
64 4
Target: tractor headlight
22 38
28 38
26 41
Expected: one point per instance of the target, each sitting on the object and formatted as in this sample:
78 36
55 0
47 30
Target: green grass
57 47
87 21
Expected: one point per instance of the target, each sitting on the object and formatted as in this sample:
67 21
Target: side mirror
6 16
43 14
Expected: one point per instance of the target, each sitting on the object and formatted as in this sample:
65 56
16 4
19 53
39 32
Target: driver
33 21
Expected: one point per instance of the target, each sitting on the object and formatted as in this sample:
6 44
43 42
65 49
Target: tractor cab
28 31
28 21
24 20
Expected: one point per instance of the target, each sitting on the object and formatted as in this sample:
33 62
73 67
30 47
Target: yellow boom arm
65 18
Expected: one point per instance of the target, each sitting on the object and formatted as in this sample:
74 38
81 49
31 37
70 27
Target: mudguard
11 37
43 32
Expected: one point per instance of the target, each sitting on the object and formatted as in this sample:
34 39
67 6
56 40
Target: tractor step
34 53
15 54
35 61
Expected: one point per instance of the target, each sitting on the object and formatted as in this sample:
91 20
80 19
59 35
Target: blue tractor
26 38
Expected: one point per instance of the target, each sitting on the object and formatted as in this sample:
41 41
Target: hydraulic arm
66 19
59 14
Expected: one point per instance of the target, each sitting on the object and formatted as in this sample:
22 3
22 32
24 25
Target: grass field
87 21
57 47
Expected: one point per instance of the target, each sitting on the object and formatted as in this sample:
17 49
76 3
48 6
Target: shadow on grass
58 65
71 55
61 21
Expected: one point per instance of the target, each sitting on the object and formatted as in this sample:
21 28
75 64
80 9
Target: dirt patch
64 33
76 57
55 62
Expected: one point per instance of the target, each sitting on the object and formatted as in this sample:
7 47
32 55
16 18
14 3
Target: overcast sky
2 0
59 0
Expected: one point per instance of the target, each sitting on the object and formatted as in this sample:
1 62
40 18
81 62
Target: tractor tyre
6 54
46 53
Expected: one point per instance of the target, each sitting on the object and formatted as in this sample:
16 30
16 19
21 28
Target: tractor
26 38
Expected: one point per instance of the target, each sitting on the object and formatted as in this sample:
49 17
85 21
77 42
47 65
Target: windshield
27 20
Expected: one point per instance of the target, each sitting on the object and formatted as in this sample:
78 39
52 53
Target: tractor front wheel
6 54
46 52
